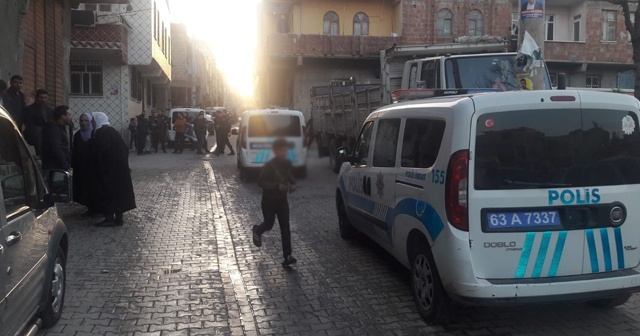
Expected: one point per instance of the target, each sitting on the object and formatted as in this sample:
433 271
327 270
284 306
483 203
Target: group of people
97 157
150 133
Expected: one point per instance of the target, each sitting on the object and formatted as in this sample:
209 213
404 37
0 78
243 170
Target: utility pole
530 69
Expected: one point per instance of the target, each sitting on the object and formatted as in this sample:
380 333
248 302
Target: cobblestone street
184 264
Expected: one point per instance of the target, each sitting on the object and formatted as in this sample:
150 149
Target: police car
498 198
259 128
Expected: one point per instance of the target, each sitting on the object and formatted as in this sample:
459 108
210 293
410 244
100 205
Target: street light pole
530 70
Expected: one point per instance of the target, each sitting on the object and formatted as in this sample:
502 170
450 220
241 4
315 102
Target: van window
485 72
421 142
556 148
430 75
386 147
12 174
361 151
262 126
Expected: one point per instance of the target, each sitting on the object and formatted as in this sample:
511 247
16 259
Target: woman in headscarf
113 189
81 164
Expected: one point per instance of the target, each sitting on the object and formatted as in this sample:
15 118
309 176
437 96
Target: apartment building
120 58
305 43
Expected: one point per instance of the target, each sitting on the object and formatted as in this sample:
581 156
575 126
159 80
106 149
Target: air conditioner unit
83 18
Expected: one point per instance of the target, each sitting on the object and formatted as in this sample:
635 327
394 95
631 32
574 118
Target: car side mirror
60 186
234 131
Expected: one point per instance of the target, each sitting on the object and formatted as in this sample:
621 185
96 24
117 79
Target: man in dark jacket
14 100
35 117
223 127
113 187
55 144
158 128
200 128
142 132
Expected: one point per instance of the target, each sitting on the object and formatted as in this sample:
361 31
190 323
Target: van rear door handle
13 238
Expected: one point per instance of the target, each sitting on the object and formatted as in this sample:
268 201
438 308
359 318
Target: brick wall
44 55
419 19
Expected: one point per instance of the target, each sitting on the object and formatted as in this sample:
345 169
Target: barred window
86 78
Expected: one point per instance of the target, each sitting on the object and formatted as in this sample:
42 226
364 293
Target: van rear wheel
611 302
428 293
347 231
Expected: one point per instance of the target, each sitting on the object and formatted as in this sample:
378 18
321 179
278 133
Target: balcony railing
109 38
329 46
585 52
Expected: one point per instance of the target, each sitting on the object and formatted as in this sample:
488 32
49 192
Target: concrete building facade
120 63
306 43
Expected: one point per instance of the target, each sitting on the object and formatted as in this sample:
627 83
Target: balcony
105 42
588 52
328 46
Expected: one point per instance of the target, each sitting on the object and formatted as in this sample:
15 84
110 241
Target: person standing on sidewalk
276 181
113 188
133 127
81 164
14 100
200 127
180 126
56 153
142 132
36 116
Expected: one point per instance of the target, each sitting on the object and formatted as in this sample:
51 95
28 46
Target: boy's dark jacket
274 173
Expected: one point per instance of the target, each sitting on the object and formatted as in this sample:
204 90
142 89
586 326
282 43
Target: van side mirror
562 81
60 186
234 131
343 156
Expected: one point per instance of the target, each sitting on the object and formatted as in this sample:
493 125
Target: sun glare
229 27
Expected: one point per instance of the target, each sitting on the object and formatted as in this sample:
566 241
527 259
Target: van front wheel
428 293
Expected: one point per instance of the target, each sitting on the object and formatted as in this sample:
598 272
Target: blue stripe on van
542 254
526 253
557 254
593 253
619 247
604 236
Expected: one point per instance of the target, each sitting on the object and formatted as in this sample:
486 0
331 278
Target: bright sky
230 27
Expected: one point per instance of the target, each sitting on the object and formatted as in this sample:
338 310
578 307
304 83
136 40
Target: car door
382 175
357 181
23 239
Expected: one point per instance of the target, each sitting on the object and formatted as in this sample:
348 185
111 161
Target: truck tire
322 147
428 292
334 164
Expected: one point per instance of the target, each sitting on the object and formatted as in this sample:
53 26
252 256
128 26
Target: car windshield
264 126
556 148
484 72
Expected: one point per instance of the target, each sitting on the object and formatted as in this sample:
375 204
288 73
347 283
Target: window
86 78
421 142
104 7
550 27
156 18
445 23
528 149
430 76
360 24
413 76
593 81
90 7
609 25
476 27
576 27
361 152
515 23
20 184
283 25
386 147
274 126
633 24
331 24
137 86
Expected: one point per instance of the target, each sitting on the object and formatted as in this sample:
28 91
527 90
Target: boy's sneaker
257 239
289 260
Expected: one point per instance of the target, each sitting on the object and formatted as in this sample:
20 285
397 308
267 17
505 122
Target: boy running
276 181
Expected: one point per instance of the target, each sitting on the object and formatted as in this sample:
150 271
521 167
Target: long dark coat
113 189
82 170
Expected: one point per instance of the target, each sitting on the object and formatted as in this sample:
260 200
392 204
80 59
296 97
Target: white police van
501 198
257 131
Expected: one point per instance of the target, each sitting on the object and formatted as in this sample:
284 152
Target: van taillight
243 137
456 190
